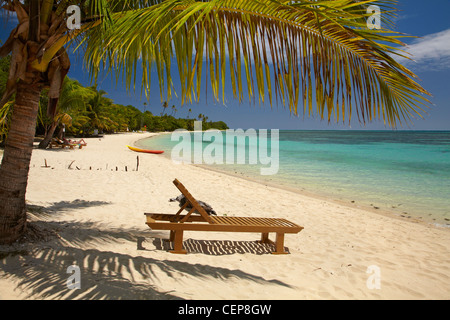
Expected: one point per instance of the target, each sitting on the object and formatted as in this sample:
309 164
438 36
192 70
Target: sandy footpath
93 214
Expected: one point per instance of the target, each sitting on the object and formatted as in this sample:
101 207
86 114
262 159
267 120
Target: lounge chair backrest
192 201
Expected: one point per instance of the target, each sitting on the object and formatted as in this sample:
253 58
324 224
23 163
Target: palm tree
164 106
142 116
73 96
174 110
96 108
298 52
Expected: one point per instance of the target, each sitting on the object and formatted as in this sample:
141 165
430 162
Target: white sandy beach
98 215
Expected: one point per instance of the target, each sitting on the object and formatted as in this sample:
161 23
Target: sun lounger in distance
178 223
80 143
61 144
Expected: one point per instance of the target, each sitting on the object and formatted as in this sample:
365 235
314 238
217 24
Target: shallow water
406 172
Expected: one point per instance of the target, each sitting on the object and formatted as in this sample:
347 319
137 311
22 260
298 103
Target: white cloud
431 52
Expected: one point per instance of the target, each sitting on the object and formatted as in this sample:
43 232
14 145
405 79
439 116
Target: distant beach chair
61 144
80 143
176 223
54 144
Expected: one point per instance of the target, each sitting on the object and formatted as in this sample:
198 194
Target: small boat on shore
145 150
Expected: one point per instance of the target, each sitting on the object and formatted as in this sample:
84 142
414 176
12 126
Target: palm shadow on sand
218 247
40 268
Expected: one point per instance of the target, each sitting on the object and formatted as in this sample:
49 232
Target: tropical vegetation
81 111
318 54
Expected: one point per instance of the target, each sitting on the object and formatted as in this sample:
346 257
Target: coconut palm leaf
73 95
5 117
319 54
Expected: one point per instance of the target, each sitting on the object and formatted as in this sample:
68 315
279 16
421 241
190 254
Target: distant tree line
85 111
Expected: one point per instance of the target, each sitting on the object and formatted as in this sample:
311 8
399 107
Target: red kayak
145 150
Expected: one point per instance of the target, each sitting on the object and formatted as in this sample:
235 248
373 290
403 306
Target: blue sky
426 19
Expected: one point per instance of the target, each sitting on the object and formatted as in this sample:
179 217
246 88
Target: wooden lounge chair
80 143
178 223
54 144
57 143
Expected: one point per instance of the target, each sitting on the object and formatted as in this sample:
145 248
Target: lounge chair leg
265 238
172 236
279 244
178 242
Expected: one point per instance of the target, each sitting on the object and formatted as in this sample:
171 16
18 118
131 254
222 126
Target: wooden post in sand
137 163
45 165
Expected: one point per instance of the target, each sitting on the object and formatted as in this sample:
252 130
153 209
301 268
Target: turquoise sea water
405 172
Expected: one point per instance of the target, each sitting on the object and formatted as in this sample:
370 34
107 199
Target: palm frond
308 52
318 54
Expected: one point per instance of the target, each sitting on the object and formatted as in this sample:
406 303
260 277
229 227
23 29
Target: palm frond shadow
42 271
218 247
62 206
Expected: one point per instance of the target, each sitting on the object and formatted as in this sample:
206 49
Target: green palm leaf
316 54
308 52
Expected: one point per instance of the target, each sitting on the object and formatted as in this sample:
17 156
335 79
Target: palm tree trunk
16 163
48 136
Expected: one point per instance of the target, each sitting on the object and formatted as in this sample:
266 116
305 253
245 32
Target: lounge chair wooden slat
178 223
192 200
257 222
220 220
280 223
187 216
266 222
171 217
239 221
182 208
167 225
263 222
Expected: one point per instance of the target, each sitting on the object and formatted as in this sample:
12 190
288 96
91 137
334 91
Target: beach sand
93 217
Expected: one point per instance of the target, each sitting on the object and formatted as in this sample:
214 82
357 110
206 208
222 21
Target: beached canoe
145 150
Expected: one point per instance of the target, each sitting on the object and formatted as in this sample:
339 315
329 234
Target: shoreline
94 214
404 216
317 196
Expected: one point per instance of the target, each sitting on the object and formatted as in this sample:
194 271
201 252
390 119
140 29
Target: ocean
406 173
